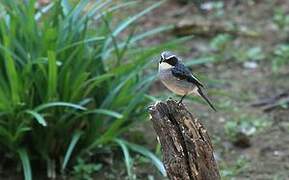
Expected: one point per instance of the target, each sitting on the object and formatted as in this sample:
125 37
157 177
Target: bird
179 79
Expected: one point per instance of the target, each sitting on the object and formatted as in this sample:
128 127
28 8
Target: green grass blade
173 44
12 54
75 137
52 75
151 32
4 99
11 72
141 36
85 41
90 84
39 118
75 13
6 136
127 158
66 7
44 10
100 111
114 129
199 61
129 21
25 164
61 104
113 93
96 8
114 8
105 112
145 152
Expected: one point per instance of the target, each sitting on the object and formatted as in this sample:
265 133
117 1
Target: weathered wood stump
186 145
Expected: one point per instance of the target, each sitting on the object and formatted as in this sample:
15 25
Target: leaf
52 75
61 104
66 6
6 135
131 19
128 21
141 36
90 84
44 10
37 116
76 136
105 112
99 111
113 8
75 13
145 152
25 164
114 129
11 72
95 8
109 99
85 41
201 60
127 158
4 99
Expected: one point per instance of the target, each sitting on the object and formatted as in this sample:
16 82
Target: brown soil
267 157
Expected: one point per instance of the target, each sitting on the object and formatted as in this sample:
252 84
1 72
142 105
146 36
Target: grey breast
174 84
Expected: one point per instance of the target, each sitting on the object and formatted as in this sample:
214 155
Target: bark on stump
186 145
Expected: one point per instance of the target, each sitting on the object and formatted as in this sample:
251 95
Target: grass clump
68 83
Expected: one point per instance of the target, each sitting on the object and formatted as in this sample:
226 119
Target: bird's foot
181 100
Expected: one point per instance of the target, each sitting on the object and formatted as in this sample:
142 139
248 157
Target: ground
233 86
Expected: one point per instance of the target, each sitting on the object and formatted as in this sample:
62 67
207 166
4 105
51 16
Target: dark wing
180 71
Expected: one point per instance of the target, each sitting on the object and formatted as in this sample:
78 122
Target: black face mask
172 60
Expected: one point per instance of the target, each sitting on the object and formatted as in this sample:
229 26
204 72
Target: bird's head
169 58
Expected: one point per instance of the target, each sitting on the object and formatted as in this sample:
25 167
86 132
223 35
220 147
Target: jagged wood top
186 145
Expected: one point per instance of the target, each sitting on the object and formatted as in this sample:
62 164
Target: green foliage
70 82
126 146
280 18
244 124
280 57
127 158
221 42
25 163
84 171
249 53
224 49
230 171
255 53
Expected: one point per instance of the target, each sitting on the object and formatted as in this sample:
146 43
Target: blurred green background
77 77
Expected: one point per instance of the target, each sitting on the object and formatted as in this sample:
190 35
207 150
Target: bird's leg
182 99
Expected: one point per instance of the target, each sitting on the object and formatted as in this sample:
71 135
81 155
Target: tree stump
186 145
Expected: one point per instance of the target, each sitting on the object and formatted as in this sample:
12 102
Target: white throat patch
164 66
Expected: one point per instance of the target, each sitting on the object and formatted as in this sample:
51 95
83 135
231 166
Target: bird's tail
206 98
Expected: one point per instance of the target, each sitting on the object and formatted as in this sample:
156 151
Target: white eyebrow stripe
171 56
